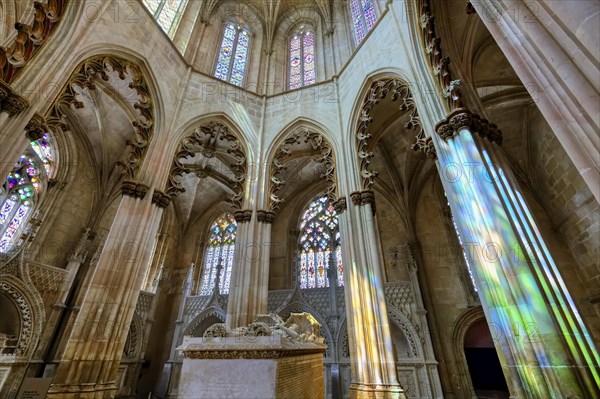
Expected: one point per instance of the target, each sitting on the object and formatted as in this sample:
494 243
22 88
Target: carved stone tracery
322 153
206 140
439 64
87 76
379 91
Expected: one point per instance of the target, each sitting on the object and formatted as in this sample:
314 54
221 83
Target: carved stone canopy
301 142
212 140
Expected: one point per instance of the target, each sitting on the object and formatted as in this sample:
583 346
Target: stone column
544 348
372 359
89 365
243 303
544 44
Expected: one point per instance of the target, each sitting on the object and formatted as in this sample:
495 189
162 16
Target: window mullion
159 9
233 53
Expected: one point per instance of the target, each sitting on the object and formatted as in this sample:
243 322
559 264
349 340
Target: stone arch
200 323
343 342
282 151
31 313
459 330
212 136
88 74
381 87
410 333
298 307
134 340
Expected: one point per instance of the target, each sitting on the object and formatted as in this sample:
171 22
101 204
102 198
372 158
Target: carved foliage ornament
322 153
160 199
134 189
265 216
85 77
30 37
209 140
243 216
10 102
461 118
439 64
379 90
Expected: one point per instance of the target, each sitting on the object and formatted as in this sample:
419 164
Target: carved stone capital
355 197
161 199
134 189
34 130
243 216
460 119
340 205
10 101
367 197
265 216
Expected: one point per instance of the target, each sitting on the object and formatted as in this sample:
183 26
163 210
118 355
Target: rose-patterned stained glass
363 18
10 232
302 59
167 13
233 55
219 255
22 187
319 245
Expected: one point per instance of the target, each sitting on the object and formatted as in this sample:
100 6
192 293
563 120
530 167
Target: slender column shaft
372 363
88 368
543 345
556 68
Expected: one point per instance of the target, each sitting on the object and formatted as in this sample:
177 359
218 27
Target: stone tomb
268 359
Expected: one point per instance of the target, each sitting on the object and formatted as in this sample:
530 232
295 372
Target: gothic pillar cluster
550 45
544 347
250 276
88 368
372 356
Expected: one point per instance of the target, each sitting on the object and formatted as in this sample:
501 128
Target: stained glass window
363 18
302 58
167 13
21 190
233 54
320 246
218 257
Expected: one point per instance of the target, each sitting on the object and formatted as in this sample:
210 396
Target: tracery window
302 58
363 18
218 255
167 13
320 246
21 191
233 54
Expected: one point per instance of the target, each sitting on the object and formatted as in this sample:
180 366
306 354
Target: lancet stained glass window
167 13
320 246
219 255
363 18
21 190
302 58
233 54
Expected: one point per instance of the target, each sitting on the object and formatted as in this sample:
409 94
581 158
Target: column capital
363 198
244 215
462 118
340 205
160 199
10 101
34 130
265 216
134 189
